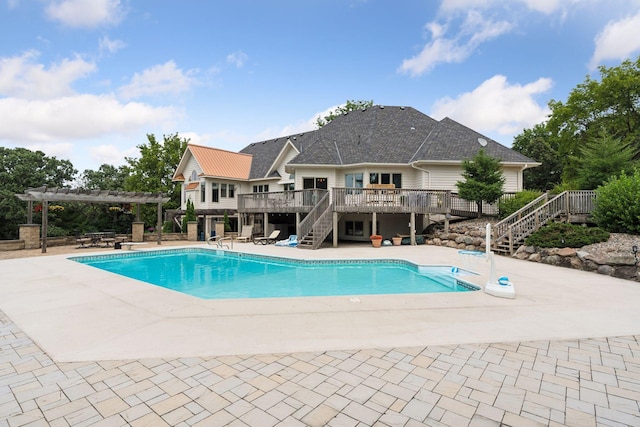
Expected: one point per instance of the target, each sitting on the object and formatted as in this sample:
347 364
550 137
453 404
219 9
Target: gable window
203 191
311 183
194 176
215 192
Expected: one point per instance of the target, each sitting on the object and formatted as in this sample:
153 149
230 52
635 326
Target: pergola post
159 227
45 223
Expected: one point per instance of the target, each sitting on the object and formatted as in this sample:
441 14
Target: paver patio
580 381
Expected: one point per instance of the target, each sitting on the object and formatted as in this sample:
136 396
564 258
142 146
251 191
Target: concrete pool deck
566 351
79 313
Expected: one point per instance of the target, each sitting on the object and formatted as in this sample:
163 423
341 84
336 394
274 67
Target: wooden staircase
317 225
510 233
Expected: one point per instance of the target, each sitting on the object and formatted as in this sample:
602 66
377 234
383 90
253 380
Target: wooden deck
363 200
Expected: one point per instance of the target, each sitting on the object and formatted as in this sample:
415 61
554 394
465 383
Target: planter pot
376 241
397 241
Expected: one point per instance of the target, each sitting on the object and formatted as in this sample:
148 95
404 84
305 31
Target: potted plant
397 240
376 240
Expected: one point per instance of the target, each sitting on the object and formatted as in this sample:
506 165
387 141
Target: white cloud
158 80
61 150
618 40
238 58
76 117
85 13
544 6
21 76
497 106
110 46
111 154
474 31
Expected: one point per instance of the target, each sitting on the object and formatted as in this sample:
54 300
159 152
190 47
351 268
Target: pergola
54 194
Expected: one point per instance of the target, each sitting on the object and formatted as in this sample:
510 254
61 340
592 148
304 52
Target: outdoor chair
267 240
245 235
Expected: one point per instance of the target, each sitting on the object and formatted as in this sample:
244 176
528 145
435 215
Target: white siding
445 177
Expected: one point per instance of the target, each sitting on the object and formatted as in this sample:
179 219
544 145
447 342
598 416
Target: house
381 170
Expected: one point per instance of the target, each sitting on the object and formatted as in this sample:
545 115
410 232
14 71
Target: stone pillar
30 234
220 229
192 231
137 232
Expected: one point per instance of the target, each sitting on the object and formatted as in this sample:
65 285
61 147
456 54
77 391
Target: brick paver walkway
583 382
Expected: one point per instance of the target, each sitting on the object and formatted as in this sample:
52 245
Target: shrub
562 235
618 204
508 206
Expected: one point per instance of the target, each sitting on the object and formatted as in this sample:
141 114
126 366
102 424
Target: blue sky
87 80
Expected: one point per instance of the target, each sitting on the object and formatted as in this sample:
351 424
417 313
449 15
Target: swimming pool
215 274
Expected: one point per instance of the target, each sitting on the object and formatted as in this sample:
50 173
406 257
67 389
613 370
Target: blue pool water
221 275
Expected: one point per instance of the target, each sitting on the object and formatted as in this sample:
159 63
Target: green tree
21 169
153 170
618 204
601 158
538 144
107 177
611 104
189 215
351 105
484 180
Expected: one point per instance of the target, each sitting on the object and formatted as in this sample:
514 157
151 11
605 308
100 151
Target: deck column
374 223
265 222
412 228
335 229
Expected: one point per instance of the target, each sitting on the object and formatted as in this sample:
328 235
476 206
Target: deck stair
510 233
317 225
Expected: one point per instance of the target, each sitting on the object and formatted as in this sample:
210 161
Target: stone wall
472 237
616 265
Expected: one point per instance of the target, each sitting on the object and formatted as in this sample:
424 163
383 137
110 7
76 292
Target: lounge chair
291 241
267 240
245 235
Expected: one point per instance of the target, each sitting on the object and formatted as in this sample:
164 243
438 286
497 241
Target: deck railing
365 200
501 228
396 200
568 203
280 201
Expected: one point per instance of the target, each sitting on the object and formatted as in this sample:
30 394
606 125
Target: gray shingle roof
381 134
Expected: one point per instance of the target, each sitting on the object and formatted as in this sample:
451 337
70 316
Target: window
203 192
311 183
261 188
223 190
289 187
232 191
386 178
396 179
353 180
194 176
215 192
354 228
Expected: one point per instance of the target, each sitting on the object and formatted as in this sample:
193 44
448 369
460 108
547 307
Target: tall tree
611 104
602 158
484 180
107 177
153 170
538 144
21 169
351 105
